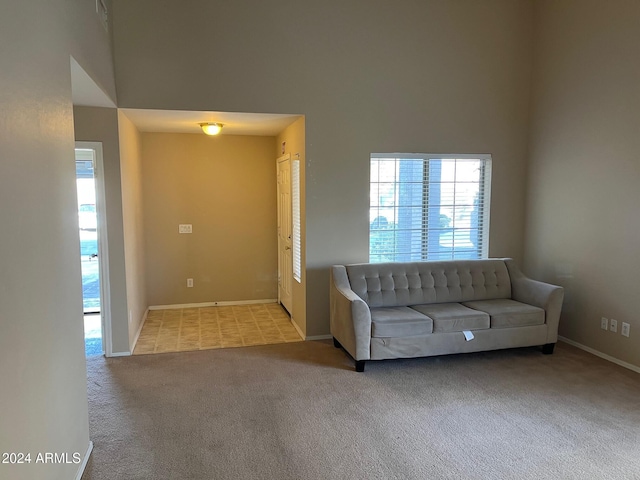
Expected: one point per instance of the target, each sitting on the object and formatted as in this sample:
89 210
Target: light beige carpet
299 411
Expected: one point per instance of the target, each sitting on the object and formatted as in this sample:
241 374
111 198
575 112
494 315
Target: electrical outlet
185 228
625 329
189 282
604 323
613 325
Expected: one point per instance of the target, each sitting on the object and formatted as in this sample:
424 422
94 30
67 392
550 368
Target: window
429 207
295 207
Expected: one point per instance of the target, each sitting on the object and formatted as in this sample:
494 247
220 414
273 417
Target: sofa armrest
543 295
350 316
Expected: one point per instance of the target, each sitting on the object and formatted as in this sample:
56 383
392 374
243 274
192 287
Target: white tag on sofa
468 335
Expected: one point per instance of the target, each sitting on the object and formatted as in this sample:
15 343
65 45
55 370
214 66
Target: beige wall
101 125
583 224
293 137
42 367
134 235
225 187
369 76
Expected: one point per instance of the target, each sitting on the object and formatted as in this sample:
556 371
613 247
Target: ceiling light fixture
211 128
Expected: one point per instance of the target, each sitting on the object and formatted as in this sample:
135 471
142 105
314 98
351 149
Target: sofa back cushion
411 283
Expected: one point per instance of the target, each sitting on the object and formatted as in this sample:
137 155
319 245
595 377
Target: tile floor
187 329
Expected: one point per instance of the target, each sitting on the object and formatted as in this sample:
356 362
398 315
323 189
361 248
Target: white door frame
103 250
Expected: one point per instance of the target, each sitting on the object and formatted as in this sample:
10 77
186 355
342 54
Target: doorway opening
89 249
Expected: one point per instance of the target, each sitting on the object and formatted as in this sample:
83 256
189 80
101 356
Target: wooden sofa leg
548 348
336 343
359 365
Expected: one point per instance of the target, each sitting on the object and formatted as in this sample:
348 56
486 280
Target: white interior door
285 231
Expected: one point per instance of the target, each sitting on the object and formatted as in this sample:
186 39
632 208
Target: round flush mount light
211 128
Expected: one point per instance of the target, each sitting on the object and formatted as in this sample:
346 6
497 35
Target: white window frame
423 237
296 226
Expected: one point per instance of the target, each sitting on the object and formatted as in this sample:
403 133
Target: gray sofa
418 309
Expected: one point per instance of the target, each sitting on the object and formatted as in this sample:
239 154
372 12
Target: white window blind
295 206
429 207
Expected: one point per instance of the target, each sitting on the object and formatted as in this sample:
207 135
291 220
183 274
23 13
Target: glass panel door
88 223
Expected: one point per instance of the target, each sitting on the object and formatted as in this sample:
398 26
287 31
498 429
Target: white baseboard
307 338
120 354
135 339
600 354
83 465
295 325
318 337
212 304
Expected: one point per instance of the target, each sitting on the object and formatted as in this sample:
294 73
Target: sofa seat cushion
509 313
399 322
453 317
